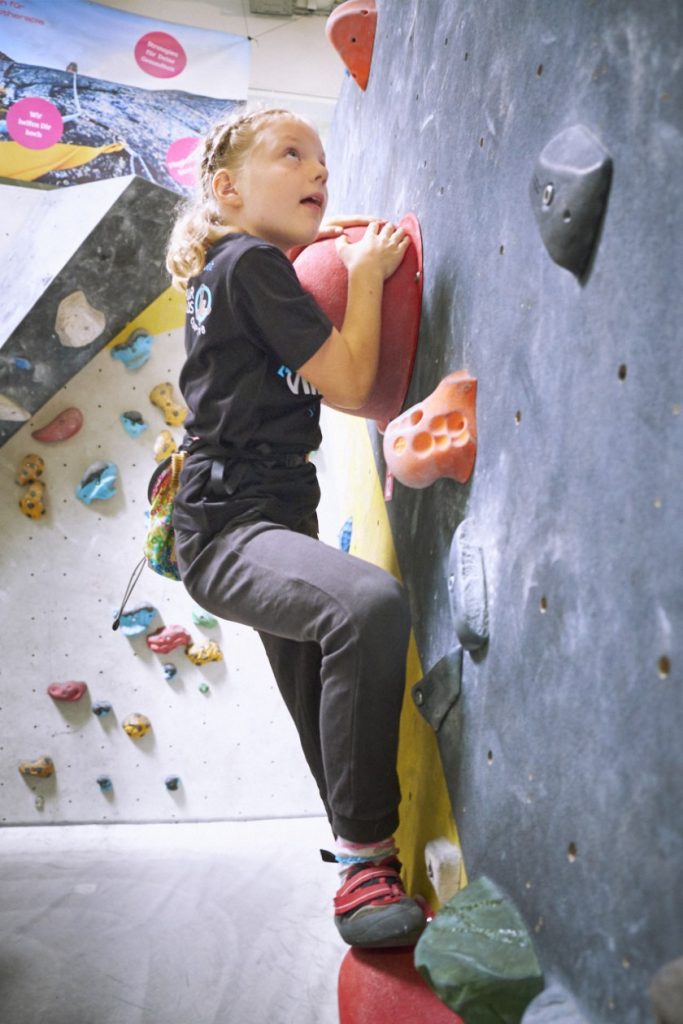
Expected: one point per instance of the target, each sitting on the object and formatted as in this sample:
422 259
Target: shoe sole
399 924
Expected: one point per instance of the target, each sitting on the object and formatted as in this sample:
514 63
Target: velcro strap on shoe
371 885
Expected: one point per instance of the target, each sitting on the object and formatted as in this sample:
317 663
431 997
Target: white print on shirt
296 383
198 307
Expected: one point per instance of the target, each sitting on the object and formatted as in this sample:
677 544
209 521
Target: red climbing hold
437 437
382 986
71 691
351 30
322 273
61 428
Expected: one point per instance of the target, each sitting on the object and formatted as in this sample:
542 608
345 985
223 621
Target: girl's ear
224 189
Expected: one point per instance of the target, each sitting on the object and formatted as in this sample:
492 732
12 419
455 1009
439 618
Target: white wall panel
235 748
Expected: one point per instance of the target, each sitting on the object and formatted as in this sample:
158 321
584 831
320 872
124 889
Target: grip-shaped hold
569 190
467 588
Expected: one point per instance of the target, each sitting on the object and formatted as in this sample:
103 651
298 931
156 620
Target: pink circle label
160 55
34 123
181 160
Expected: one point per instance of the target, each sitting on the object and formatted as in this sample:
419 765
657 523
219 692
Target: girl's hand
333 229
381 248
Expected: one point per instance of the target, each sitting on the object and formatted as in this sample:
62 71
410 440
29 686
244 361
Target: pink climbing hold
61 428
71 691
167 638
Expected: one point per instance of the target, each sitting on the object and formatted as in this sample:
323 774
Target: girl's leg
296 667
288 585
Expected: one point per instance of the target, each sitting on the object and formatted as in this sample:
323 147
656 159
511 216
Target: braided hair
199 223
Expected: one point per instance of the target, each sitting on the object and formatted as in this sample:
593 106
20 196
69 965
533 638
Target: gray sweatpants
335 629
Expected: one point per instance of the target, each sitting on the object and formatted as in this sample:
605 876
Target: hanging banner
90 92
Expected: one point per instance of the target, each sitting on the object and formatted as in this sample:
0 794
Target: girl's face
280 191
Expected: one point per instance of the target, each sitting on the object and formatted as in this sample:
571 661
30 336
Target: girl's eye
293 152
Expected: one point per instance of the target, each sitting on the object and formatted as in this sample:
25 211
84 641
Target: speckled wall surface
566 781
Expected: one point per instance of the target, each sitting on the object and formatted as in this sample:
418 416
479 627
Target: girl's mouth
314 200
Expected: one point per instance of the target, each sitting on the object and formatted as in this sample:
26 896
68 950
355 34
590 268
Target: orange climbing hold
437 437
351 30
322 274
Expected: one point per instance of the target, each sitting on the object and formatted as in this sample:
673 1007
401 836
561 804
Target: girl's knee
384 607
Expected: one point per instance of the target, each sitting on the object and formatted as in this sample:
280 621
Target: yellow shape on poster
22 164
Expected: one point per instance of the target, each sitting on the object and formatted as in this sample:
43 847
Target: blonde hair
199 223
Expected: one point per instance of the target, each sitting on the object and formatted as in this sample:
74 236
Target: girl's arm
344 367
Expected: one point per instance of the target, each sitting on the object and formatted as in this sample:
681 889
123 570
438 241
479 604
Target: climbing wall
563 760
218 728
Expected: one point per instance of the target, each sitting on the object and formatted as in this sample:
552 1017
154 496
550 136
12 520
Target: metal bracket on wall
439 689
569 190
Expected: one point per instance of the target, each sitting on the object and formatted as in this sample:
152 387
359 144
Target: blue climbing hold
98 482
133 423
135 350
345 535
105 783
101 708
170 670
136 620
172 782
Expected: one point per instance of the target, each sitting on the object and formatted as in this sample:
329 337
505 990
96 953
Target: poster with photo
90 92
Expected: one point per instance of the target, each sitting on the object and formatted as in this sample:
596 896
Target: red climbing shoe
372 908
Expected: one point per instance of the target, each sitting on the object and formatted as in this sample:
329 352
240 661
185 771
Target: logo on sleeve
199 304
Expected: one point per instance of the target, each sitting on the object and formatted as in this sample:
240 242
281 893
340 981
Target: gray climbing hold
467 587
666 993
569 190
439 689
553 1006
478 957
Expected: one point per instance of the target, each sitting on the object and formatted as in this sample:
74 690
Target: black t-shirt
249 327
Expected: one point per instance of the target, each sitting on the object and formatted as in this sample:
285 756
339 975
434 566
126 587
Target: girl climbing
260 356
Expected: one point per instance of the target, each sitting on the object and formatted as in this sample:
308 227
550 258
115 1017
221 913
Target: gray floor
219 923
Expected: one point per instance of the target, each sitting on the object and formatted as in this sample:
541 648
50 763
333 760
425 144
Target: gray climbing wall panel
107 246
564 762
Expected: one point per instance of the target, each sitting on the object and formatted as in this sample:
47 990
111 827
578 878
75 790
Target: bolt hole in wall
664 666
572 852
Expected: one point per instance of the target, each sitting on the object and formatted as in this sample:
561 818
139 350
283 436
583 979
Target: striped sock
349 853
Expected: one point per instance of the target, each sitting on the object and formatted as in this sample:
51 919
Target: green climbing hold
478 957
202 618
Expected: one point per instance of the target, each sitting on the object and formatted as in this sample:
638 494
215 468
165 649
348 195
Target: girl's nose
320 171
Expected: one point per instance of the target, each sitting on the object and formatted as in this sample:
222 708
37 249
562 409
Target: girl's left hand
333 229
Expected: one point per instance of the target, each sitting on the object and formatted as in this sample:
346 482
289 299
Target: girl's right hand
381 249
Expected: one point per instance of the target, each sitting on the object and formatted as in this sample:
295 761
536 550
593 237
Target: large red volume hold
322 273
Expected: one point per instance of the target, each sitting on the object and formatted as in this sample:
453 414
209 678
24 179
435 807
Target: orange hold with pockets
437 437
